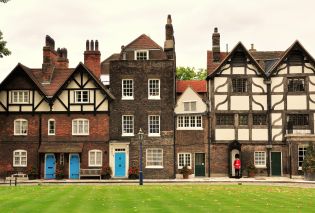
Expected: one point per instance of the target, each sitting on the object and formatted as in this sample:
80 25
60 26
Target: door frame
204 154
281 171
112 147
45 164
70 163
116 152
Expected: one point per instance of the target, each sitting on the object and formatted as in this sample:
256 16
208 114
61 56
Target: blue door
120 164
74 166
50 166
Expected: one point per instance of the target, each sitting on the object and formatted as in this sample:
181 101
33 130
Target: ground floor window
20 158
154 158
260 159
95 158
301 155
184 159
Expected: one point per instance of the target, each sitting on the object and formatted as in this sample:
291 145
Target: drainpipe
269 146
39 143
174 120
209 136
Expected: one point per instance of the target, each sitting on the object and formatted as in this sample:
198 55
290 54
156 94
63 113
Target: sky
268 24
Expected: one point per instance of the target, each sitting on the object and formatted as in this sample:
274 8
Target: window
51 127
95 157
189 122
81 96
260 159
62 159
154 89
154 158
243 119
127 89
239 85
20 127
296 85
225 119
301 155
154 125
142 55
259 119
184 159
298 119
190 106
80 127
20 97
127 125
19 158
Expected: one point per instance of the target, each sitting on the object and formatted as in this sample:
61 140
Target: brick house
143 81
55 116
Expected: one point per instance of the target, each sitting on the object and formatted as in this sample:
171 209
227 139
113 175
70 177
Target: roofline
138 38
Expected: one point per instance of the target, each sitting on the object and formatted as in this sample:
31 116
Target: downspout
174 118
269 146
39 143
209 127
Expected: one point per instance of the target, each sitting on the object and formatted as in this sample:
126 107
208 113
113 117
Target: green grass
156 198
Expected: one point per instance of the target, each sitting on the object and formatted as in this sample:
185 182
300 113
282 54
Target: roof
200 86
213 65
105 63
143 42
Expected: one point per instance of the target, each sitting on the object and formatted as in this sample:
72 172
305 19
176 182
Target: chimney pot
96 45
87 45
92 45
215 29
169 19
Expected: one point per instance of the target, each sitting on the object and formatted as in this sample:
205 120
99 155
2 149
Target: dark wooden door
276 163
200 164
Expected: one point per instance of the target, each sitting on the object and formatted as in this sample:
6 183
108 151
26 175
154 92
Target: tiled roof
143 42
211 66
200 86
105 63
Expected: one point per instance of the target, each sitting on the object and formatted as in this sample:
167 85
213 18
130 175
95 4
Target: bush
107 173
186 172
32 172
308 165
60 173
133 173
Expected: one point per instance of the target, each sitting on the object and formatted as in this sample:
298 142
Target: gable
189 95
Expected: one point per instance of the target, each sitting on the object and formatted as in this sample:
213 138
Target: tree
3 50
189 73
4 1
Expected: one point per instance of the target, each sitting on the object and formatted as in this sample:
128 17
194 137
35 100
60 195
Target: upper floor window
127 89
189 122
95 157
141 55
127 125
259 119
243 119
51 127
225 119
298 119
20 158
239 85
154 125
81 96
154 88
296 84
20 127
190 105
20 97
80 127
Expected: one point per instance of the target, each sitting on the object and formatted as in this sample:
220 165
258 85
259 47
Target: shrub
133 173
308 165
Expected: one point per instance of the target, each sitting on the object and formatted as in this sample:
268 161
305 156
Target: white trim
20 120
190 101
178 127
158 97
184 153
146 159
81 91
154 134
95 164
122 89
20 158
122 127
70 163
147 52
304 146
280 162
18 102
88 126
112 150
260 166
51 119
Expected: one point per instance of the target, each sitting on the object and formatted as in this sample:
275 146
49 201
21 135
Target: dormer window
20 97
141 55
190 105
81 96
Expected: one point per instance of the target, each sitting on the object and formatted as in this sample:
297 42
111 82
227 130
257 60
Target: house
192 126
261 108
143 81
55 117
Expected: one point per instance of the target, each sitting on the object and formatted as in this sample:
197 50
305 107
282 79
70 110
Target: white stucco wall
218 81
261 99
239 103
243 134
296 102
225 134
190 95
259 134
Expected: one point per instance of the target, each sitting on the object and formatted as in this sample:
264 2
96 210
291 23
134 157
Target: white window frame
122 126
124 97
150 162
142 51
77 120
23 93
149 124
154 97
20 120
18 154
82 100
260 165
183 125
54 130
95 164
185 154
302 146
190 106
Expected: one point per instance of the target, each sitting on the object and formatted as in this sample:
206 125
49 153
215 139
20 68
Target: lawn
156 198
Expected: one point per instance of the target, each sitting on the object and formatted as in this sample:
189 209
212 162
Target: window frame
122 126
184 159
141 51
20 158
190 104
304 147
292 88
20 120
239 119
78 120
149 126
154 97
181 122
124 97
151 161
82 99
295 117
18 96
95 151
264 161
225 123
52 120
238 87
259 115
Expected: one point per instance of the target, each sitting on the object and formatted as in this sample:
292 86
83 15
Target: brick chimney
62 60
92 58
169 44
216 45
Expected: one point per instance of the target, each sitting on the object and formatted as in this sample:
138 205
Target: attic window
20 97
141 55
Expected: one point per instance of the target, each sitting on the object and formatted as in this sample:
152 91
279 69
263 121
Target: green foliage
189 73
308 165
3 50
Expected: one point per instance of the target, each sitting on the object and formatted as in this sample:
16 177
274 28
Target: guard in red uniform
237 166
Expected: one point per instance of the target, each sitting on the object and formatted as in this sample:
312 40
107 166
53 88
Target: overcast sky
269 24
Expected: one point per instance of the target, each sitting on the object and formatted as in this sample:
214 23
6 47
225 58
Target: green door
276 163
200 164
